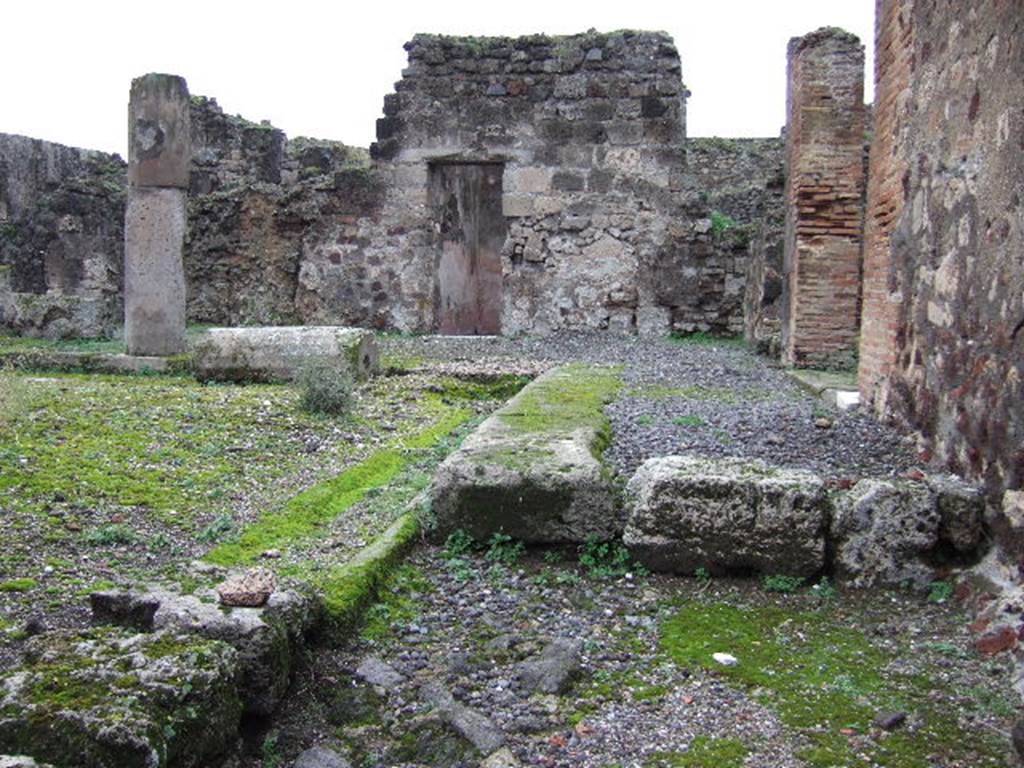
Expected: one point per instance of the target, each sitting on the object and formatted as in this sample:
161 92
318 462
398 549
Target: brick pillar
880 327
159 154
824 198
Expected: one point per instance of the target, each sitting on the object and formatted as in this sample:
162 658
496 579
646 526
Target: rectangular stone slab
725 515
277 353
533 469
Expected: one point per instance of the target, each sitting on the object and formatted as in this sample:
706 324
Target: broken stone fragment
380 674
685 513
107 697
250 589
321 757
553 670
470 724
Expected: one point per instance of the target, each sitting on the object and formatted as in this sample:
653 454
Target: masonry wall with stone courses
61 238
590 131
943 349
824 198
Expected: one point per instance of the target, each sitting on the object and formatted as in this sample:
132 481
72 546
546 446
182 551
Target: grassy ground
111 478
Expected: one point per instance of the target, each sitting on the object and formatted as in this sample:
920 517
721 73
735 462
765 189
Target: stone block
106 697
267 639
154 276
159 126
533 469
726 515
889 532
277 353
516 205
529 180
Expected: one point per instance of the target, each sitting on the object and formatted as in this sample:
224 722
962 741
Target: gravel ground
472 623
685 397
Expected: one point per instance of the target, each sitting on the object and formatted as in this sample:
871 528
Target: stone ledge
533 470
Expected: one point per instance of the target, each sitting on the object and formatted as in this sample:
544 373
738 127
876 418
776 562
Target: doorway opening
466 202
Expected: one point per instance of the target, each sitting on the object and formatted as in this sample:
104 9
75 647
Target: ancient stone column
824 198
159 154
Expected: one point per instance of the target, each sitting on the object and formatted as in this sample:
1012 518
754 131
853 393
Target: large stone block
890 533
278 353
533 469
105 698
154 277
159 125
726 515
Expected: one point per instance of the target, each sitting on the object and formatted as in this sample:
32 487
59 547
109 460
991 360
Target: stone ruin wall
743 180
589 130
603 210
61 238
942 352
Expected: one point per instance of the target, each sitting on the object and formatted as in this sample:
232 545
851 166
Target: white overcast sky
322 68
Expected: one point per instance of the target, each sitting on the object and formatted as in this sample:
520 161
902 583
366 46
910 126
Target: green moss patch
305 514
828 682
704 752
351 588
18 585
569 398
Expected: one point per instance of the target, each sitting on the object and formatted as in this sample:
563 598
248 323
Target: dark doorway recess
466 202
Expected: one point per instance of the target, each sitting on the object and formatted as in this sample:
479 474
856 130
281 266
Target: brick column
880 332
159 154
824 198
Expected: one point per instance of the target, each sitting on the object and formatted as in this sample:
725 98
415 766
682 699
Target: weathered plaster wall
61 238
825 131
942 350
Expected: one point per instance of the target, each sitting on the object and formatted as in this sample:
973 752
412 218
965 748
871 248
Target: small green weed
782 583
217 530
939 591
458 543
326 388
688 421
503 549
824 590
606 559
645 420
110 535
702 575
269 751
721 222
